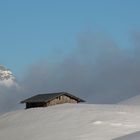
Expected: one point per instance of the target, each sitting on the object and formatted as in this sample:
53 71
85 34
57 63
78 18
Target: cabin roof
48 97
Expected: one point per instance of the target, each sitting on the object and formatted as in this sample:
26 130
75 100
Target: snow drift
70 122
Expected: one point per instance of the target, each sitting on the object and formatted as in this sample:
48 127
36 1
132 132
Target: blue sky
39 30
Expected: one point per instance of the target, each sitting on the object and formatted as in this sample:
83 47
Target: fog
98 69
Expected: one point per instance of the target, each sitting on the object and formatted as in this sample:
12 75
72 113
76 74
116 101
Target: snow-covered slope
70 122
132 101
133 136
6 77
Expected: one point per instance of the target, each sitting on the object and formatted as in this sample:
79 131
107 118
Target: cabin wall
60 100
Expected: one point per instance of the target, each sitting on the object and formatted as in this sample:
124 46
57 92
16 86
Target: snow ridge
131 101
71 122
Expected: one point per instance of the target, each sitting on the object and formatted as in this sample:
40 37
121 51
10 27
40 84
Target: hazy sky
90 48
36 30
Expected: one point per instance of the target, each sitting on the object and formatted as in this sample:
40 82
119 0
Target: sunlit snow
70 122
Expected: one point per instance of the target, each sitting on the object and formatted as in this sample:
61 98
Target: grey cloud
98 70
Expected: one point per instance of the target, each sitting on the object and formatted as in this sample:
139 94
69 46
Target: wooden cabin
44 100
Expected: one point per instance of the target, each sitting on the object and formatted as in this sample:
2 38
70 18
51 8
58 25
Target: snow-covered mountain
6 77
132 101
71 122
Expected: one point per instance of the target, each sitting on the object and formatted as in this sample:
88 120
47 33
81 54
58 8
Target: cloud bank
98 70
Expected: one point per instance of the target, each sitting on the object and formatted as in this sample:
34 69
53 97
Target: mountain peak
2 68
6 77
